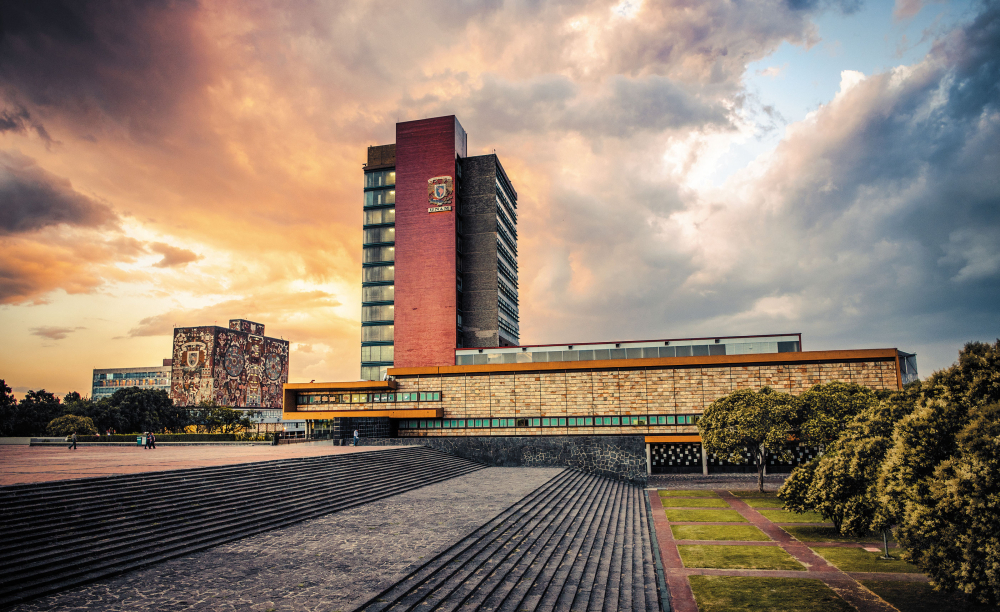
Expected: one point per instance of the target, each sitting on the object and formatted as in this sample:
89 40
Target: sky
685 168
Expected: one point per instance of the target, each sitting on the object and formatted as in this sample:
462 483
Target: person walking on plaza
152 440
72 444
357 437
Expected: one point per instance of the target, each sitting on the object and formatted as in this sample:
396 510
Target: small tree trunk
885 542
760 468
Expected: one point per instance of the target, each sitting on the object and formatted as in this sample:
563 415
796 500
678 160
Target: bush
67 424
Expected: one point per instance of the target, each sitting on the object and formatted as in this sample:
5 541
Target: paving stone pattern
580 543
622 457
185 511
335 562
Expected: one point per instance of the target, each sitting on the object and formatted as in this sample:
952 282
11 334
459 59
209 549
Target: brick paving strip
845 584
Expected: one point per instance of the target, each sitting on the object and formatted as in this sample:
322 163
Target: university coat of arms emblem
440 192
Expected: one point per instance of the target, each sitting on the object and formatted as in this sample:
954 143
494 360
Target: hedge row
219 437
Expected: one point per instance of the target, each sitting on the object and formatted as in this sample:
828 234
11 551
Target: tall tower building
440 250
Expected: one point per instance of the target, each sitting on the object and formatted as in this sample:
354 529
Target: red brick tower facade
426 295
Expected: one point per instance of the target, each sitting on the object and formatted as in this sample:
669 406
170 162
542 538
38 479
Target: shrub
67 424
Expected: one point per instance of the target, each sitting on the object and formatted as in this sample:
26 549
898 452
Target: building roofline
653 362
483 348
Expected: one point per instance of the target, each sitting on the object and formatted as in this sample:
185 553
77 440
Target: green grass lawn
764 502
747 533
704 516
701 502
783 516
737 557
754 493
687 493
809 533
860 560
728 593
920 597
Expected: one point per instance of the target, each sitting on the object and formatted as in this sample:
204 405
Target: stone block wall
621 457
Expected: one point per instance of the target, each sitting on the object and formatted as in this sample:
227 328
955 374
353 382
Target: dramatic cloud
31 198
172 256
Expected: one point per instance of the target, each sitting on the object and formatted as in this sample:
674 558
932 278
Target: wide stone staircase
63 534
579 542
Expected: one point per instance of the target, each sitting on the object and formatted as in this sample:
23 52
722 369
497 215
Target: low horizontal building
656 400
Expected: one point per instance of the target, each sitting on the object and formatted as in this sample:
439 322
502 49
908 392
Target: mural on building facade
234 366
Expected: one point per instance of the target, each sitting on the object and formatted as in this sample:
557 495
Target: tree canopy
756 421
70 423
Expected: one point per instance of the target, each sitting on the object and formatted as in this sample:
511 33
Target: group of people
150 440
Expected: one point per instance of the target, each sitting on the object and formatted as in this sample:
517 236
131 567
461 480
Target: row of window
378 293
680 419
378 333
379 234
381 197
372 254
128 375
378 313
509 201
592 355
377 353
305 399
380 178
380 215
378 274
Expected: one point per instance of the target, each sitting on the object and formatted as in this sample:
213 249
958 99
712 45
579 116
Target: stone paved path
332 563
23 464
845 584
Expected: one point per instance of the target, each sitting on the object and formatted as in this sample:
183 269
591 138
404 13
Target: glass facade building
108 380
378 263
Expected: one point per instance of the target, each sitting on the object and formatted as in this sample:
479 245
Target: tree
842 484
69 423
34 412
8 410
746 420
825 410
212 418
136 409
940 475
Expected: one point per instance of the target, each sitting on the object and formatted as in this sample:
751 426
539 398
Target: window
495 423
616 421
373 254
562 422
522 422
379 234
381 293
430 396
461 422
378 313
377 333
536 422
377 353
545 422
671 420
377 274
380 215
380 178
572 422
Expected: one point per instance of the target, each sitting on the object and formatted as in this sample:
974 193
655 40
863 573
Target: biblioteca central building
441 359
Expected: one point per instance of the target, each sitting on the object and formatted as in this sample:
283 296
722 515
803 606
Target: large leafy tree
940 476
760 422
136 409
33 413
825 410
842 485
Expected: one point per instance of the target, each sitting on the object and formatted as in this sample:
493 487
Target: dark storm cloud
129 62
32 198
875 223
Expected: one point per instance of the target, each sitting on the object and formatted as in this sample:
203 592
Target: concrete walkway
25 464
845 584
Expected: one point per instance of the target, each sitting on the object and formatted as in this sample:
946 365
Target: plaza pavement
21 464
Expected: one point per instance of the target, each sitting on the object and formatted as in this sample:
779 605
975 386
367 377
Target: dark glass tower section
378 272
488 245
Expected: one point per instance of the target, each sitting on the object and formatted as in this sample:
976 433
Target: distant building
109 380
238 366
